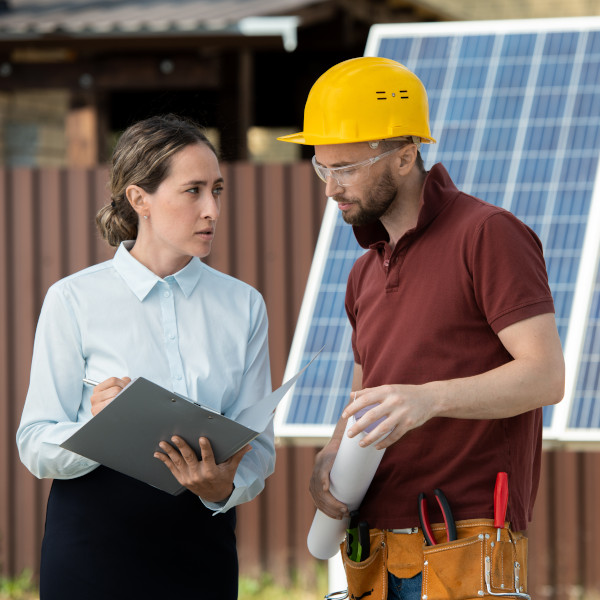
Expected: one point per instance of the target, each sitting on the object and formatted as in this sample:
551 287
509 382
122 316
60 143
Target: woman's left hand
211 481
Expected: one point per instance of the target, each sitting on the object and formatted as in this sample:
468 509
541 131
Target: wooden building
73 73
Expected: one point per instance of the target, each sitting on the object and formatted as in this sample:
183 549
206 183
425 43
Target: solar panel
515 107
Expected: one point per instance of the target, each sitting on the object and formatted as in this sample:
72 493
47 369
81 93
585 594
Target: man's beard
377 203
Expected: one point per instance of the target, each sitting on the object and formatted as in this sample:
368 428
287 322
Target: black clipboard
126 433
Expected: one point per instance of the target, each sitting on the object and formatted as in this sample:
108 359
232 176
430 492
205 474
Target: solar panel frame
535 85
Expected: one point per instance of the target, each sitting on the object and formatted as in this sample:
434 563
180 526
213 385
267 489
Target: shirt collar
438 191
142 280
189 276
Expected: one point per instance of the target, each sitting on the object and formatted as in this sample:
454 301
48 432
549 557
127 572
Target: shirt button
167 294
178 377
386 263
171 336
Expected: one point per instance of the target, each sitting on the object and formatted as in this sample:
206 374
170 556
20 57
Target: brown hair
142 157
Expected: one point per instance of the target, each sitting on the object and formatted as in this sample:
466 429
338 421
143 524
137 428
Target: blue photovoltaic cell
322 392
586 403
517 119
477 48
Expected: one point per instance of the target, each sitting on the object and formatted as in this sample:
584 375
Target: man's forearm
514 388
534 378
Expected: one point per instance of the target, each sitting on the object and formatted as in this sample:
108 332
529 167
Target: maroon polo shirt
430 310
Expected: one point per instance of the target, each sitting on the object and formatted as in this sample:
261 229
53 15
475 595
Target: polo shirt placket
392 260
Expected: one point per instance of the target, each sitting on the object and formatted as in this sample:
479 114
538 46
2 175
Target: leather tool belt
475 565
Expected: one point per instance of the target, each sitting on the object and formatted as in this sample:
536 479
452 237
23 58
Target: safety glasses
350 174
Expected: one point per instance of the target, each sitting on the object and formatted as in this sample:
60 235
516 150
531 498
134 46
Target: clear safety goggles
350 174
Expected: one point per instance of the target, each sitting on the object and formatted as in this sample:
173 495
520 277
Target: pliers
446 513
358 539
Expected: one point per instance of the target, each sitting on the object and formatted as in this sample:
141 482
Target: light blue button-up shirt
199 333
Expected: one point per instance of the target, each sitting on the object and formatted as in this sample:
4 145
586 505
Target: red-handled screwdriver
500 501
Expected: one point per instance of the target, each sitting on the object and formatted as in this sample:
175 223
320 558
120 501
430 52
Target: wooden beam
82 137
137 42
235 105
245 101
390 11
168 71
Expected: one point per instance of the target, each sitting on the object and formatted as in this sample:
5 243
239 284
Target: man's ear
136 197
407 158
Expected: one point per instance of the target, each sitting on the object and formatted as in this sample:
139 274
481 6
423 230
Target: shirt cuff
234 499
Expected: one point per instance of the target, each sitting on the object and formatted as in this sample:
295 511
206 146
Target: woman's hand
212 482
105 392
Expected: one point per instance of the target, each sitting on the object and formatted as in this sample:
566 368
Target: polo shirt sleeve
509 272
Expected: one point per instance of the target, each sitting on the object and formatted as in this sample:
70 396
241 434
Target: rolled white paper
351 475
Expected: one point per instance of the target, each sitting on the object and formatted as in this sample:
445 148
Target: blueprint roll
351 475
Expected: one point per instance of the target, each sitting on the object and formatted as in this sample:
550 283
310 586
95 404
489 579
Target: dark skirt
111 537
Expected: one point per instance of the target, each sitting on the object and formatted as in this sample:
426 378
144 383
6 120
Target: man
454 338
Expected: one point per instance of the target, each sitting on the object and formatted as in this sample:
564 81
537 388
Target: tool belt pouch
368 578
475 566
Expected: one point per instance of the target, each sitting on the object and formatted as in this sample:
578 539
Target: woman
154 310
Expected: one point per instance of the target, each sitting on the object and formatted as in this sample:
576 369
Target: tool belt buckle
341 595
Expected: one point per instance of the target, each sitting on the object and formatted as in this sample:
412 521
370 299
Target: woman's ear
137 199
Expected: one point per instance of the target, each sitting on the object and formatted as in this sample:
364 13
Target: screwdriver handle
500 499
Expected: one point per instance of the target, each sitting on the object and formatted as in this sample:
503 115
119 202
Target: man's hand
205 478
105 392
401 408
319 483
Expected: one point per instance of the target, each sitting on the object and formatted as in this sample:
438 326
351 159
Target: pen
90 381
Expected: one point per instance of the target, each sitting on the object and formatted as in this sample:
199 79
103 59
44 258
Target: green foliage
24 588
266 589
18 588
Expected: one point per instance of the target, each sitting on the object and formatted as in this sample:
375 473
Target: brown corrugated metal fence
266 237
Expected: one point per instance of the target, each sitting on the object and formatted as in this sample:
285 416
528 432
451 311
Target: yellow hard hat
364 99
